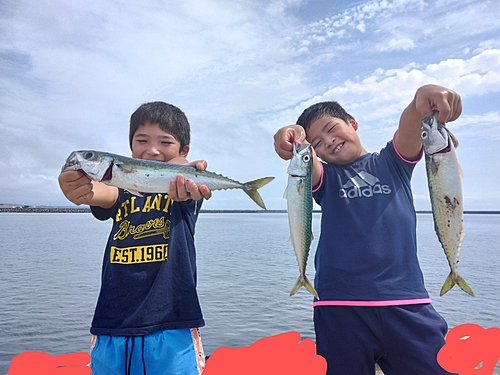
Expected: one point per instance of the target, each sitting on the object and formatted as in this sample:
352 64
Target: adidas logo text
363 185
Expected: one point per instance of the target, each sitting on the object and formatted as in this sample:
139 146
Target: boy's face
334 140
150 142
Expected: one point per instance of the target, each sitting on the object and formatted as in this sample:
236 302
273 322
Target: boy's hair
319 110
168 117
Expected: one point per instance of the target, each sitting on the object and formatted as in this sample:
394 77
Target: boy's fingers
456 108
205 191
172 191
201 165
444 111
285 137
296 134
192 190
182 189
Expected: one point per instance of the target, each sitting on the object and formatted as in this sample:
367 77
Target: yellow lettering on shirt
153 227
152 203
139 254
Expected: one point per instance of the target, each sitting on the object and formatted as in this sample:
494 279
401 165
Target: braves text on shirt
158 226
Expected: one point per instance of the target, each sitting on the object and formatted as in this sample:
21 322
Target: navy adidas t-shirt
149 267
367 249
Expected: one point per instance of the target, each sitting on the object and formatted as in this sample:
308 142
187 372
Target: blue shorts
169 352
401 339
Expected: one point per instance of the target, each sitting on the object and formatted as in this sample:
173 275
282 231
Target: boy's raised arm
428 99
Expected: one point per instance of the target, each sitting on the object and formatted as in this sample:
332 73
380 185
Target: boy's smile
150 142
334 140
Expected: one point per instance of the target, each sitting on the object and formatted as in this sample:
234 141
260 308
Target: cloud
72 73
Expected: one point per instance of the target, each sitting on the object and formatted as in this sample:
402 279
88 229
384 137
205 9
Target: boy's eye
317 144
329 130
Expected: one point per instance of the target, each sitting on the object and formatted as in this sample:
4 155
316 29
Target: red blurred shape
281 354
37 363
470 350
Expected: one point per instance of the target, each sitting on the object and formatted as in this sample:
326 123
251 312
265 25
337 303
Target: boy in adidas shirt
373 305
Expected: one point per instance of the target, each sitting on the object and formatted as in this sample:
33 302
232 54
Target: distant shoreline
87 210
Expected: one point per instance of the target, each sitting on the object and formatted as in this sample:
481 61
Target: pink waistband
396 302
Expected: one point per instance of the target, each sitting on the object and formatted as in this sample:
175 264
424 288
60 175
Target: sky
72 73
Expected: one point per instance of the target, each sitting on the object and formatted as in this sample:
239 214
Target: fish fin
125 168
453 138
134 192
251 187
453 279
434 166
303 281
285 192
464 286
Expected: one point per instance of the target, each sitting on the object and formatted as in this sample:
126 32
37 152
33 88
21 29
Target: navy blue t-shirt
367 250
149 267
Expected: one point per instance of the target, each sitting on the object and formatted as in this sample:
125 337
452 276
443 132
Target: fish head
301 162
96 165
434 135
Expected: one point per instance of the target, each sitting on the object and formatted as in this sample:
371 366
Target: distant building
13 205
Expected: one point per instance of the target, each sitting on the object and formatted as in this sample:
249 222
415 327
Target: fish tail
251 187
303 281
455 278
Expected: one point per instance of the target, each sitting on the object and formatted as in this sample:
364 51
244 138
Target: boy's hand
431 98
428 99
76 186
284 139
181 189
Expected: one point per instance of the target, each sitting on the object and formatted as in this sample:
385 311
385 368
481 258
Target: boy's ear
353 123
185 151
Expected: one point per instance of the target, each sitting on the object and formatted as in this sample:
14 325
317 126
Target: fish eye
306 158
424 134
88 155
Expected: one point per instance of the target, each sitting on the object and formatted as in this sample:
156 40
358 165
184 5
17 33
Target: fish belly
147 181
446 198
300 220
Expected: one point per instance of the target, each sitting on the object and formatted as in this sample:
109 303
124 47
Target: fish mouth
71 162
108 175
444 150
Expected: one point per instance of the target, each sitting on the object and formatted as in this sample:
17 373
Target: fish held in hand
444 177
148 176
299 206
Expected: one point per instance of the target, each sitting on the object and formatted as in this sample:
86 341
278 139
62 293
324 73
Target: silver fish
299 205
147 176
444 177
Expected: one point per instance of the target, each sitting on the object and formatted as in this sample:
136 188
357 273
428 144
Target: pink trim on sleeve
401 302
321 177
401 156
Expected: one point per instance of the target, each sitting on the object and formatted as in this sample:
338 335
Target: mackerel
298 194
444 177
148 176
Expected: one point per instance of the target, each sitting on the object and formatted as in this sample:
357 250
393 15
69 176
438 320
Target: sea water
51 263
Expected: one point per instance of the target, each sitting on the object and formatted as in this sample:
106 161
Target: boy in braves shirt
148 315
